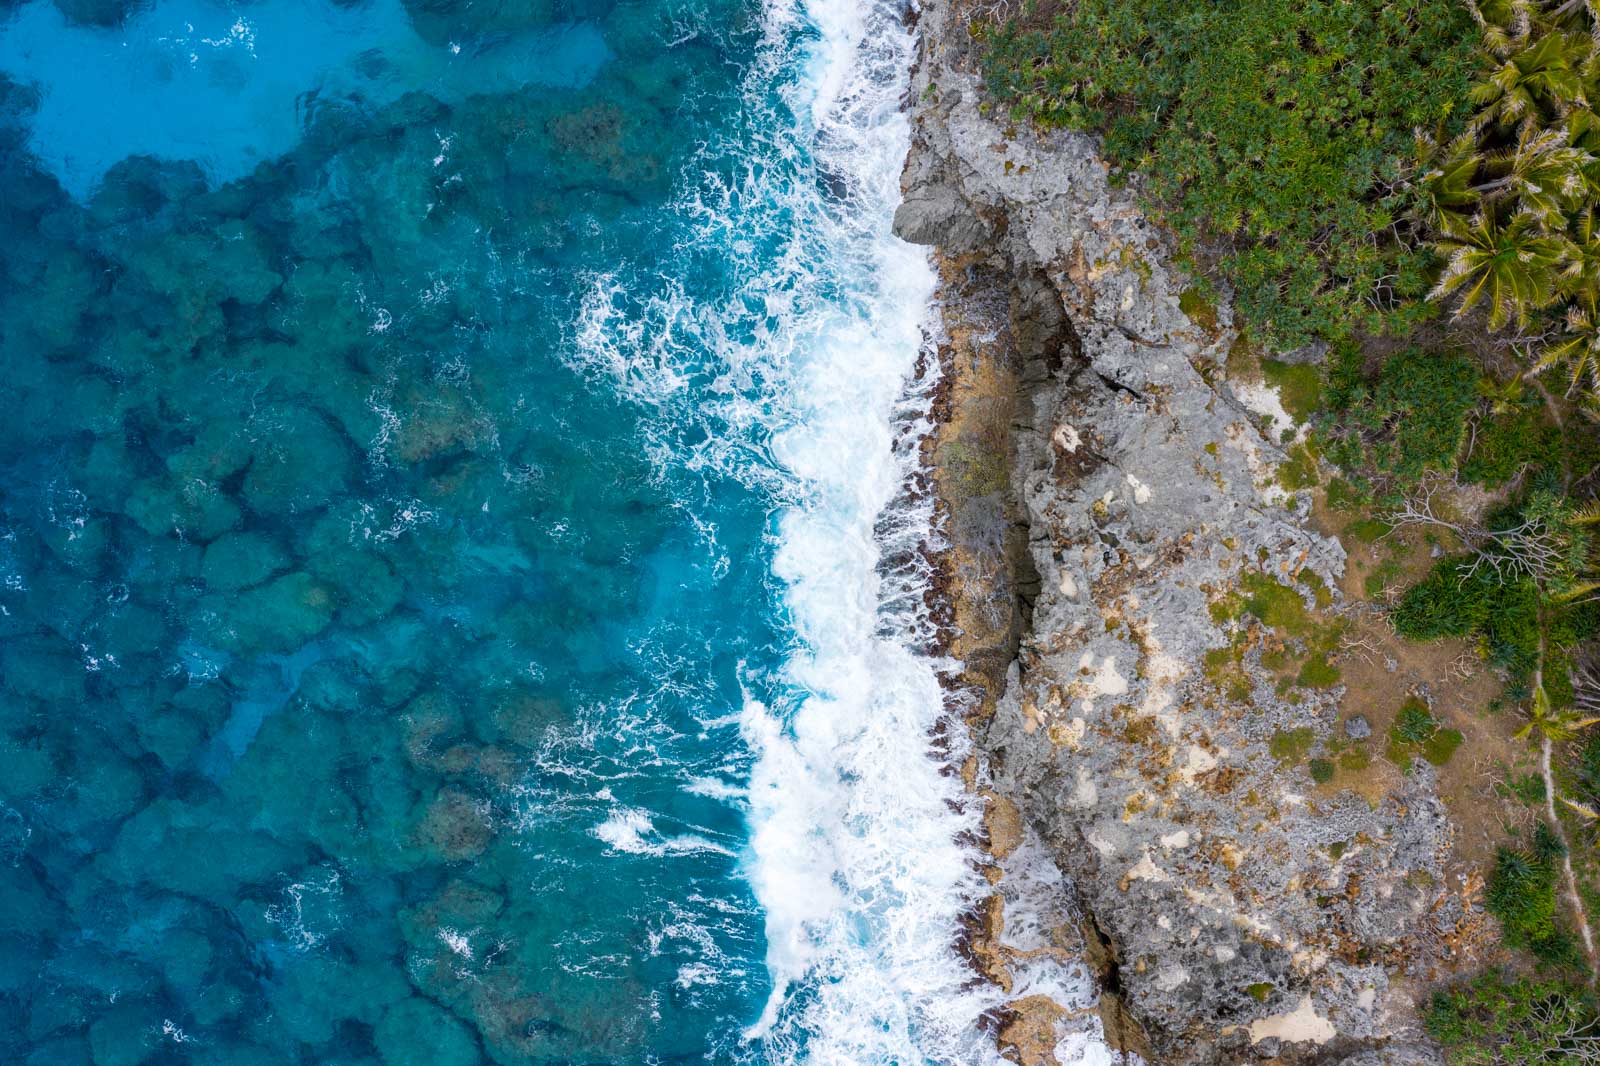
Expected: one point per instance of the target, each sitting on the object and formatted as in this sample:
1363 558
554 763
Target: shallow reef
318 557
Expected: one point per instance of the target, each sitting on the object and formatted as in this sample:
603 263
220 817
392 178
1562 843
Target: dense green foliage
1499 1019
1522 894
1515 202
1516 438
1386 430
1416 733
1446 603
1588 769
1341 161
1281 139
1585 801
1414 724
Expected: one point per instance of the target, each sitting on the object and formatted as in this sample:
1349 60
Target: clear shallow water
231 86
448 607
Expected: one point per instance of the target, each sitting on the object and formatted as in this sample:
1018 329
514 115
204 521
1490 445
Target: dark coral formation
311 548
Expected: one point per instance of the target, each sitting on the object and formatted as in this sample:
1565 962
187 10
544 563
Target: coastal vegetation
1408 192
1276 147
1501 1019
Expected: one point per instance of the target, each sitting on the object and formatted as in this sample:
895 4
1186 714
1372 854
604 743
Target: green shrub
1506 442
1511 617
1447 603
1588 769
1417 733
1528 788
1580 443
1453 602
1386 431
1522 894
1499 1019
1321 771
1414 724
1342 496
1511 630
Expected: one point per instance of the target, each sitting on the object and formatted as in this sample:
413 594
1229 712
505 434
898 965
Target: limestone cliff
1147 619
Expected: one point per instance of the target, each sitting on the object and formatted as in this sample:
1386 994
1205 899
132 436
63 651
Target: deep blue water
447 609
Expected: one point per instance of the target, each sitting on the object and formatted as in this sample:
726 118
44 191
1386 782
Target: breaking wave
809 378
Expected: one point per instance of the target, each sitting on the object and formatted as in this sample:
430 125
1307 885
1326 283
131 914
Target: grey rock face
1252 912
1357 728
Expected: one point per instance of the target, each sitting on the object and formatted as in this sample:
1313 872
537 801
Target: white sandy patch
1298 1026
1095 681
1265 401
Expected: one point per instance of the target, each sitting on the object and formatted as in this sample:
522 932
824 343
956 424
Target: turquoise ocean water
461 591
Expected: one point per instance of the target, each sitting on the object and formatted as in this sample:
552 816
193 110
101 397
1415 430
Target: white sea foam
714 788
803 383
855 827
856 824
309 910
631 830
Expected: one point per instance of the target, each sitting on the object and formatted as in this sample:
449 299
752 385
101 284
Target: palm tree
1511 265
1506 24
1584 579
1583 129
1581 16
1503 397
1551 724
1580 274
1531 80
1555 727
1590 816
1589 404
1579 349
1543 173
1444 176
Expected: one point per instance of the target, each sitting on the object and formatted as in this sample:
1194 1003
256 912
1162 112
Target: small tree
1551 723
1579 348
1532 79
1511 266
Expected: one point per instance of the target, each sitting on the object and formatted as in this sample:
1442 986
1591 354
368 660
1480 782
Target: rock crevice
1126 570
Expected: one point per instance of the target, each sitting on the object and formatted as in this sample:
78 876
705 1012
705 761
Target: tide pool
449 455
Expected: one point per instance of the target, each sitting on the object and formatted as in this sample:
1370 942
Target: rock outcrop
1150 626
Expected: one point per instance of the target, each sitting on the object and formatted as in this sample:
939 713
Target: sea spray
858 822
855 827
568 436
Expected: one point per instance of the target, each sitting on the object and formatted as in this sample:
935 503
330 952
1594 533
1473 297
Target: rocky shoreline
1127 582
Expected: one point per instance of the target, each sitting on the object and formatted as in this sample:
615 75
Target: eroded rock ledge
1128 583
